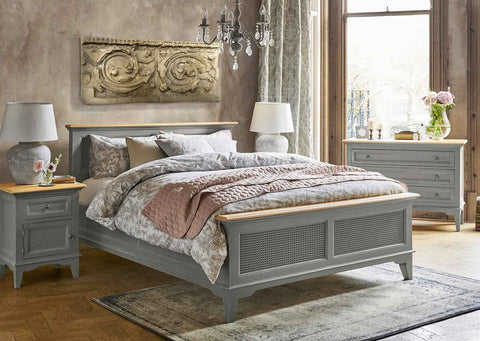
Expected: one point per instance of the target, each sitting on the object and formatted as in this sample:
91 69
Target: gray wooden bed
265 248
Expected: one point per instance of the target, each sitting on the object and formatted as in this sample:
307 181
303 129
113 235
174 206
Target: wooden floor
51 305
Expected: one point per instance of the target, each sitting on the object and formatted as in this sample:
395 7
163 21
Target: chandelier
230 32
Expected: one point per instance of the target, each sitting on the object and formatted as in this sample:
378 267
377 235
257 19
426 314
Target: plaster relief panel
128 71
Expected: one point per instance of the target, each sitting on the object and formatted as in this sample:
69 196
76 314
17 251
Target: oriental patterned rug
363 304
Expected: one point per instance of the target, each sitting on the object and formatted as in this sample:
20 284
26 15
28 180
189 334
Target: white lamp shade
28 122
272 118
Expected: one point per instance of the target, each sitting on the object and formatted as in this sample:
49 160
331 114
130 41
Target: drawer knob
437 195
71 237
46 208
437 158
368 157
437 177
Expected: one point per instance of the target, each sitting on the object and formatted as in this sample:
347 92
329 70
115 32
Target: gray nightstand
38 226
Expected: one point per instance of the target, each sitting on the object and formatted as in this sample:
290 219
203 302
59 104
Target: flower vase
439 126
47 179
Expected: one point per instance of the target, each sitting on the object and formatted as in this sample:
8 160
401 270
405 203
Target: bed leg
406 267
230 304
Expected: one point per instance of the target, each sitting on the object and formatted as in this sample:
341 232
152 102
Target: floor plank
51 305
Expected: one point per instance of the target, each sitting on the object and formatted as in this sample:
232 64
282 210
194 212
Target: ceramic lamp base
21 159
271 143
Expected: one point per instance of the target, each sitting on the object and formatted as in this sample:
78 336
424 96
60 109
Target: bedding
181 209
86 195
142 150
119 205
108 156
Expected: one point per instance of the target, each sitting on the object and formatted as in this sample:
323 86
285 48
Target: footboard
273 247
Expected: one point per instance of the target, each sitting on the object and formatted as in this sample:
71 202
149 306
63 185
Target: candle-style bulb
223 14
204 13
263 9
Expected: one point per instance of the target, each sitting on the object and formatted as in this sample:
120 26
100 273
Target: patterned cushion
108 156
185 145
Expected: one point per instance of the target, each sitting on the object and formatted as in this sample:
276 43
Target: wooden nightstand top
17 189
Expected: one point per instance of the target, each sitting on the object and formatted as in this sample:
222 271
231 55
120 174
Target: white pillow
220 141
221 145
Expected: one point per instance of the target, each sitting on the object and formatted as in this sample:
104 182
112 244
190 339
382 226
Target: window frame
336 90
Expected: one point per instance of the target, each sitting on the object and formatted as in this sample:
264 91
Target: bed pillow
143 150
220 141
221 145
185 145
224 134
108 156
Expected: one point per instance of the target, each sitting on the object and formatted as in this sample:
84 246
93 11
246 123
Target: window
387 60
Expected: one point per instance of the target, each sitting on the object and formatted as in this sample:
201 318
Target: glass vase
439 126
47 179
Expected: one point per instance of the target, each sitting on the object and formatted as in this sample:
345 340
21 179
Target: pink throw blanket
181 209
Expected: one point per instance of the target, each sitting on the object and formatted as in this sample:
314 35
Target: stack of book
63 179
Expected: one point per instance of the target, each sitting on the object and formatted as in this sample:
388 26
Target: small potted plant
47 171
438 103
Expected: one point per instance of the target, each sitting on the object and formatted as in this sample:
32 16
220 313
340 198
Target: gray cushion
184 145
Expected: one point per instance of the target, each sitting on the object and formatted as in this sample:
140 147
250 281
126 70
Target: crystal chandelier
230 32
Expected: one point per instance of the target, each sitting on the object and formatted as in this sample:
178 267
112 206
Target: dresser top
392 141
17 189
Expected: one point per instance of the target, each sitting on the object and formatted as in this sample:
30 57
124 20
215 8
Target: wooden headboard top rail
143 125
79 145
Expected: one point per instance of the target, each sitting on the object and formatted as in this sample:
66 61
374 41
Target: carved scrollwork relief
127 71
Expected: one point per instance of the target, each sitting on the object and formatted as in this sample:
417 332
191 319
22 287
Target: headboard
79 145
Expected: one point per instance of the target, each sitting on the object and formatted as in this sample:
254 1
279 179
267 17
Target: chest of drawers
433 169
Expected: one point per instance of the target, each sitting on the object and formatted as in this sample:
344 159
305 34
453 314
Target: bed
328 237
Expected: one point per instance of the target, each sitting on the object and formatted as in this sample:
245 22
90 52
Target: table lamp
271 119
28 124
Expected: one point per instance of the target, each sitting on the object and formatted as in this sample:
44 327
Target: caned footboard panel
366 233
267 248
273 248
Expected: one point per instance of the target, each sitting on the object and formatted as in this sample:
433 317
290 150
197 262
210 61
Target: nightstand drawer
417 176
54 206
402 157
435 196
48 238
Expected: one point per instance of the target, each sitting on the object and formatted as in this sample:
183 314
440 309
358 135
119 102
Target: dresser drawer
48 238
435 196
416 176
402 157
47 207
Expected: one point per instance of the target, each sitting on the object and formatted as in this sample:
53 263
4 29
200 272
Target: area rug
363 304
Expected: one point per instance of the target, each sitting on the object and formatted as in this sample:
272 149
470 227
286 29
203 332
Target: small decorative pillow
108 156
186 145
143 150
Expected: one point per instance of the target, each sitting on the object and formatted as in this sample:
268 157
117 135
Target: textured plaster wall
40 61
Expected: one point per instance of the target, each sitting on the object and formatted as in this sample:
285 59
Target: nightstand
38 226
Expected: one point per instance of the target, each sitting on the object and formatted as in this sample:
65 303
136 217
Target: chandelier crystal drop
230 32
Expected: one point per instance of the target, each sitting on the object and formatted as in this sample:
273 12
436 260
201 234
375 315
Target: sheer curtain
285 72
